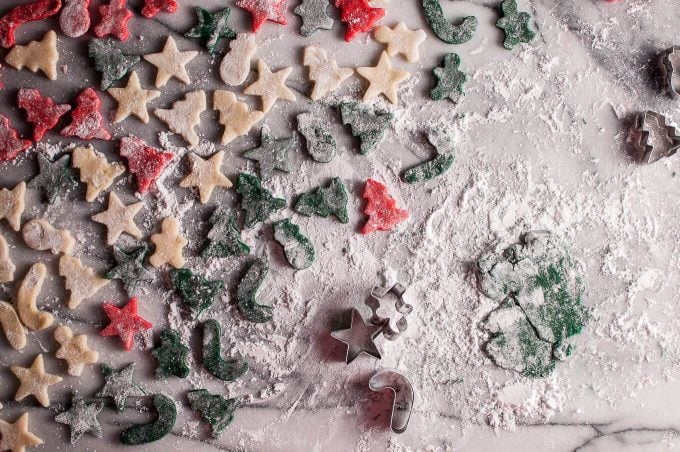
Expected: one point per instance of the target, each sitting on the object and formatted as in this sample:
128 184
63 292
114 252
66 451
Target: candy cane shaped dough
27 297
14 330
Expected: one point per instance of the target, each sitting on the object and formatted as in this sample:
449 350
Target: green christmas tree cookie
171 355
247 292
224 238
298 249
368 124
196 291
515 25
54 176
450 79
153 431
215 409
257 202
446 31
225 370
110 61
212 27
325 201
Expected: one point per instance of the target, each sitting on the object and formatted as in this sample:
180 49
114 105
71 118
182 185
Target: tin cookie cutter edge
391 330
641 134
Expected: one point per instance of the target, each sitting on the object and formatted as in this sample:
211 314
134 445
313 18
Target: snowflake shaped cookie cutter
392 327
653 137
669 65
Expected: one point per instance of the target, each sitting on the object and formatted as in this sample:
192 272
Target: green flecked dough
446 31
216 410
153 431
224 238
54 177
320 143
171 355
196 291
515 25
225 370
298 249
368 124
110 61
450 79
130 268
428 170
257 202
247 291
211 28
325 201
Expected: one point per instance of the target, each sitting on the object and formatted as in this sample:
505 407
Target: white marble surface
541 146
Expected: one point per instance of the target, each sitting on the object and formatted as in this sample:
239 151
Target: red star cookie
86 122
263 10
16 17
358 15
153 7
145 162
115 17
10 144
125 322
381 208
40 111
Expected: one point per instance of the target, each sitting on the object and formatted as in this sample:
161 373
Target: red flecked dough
381 208
16 17
359 16
75 18
145 162
114 19
263 10
10 143
41 111
153 7
86 122
125 322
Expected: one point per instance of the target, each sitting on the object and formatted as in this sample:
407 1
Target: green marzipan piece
257 202
367 124
428 170
272 153
118 384
130 268
153 431
216 410
110 61
196 291
314 14
298 249
211 28
224 238
320 143
225 370
171 355
446 31
54 176
515 25
81 418
325 201
450 79
247 291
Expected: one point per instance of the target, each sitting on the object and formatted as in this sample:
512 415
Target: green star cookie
225 370
515 25
450 79
130 267
246 293
119 385
298 249
257 202
171 355
54 176
224 238
196 291
110 61
153 431
81 418
325 201
215 409
211 28
272 154
368 124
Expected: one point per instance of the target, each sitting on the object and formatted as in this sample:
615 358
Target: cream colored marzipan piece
401 40
12 204
184 115
235 116
95 170
11 325
382 79
34 381
7 267
42 236
27 298
132 99
270 86
37 55
119 218
74 350
16 437
170 62
324 72
169 244
81 281
206 175
235 65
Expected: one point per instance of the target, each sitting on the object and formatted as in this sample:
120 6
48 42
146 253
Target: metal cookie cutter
403 396
391 328
669 65
653 137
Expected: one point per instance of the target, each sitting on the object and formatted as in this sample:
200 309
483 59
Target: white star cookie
235 65
171 63
95 171
235 116
169 244
185 115
206 175
27 297
11 325
324 72
401 40
12 204
382 79
37 55
132 99
16 437
81 281
42 236
119 218
74 350
34 381
270 86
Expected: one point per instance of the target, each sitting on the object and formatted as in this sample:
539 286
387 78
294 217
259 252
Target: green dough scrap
257 202
515 25
320 143
325 201
216 410
211 28
153 431
247 291
224 238
298 249
368 124
171 355
54 177
428 170
225 370
446 31
110 61
196 291
540 290
450 79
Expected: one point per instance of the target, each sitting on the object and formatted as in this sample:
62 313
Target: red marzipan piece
86 122
359 16
10 143
41 111
381 208
115 17
75 18
263 10
153 7
125 322
16 17
145 162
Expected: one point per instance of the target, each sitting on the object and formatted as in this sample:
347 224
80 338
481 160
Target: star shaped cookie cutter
669 65
653 137
391 327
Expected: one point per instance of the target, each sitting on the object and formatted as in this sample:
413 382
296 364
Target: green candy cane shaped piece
446 31
153 431
225 370
515 25
247 291
428 170
298 249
